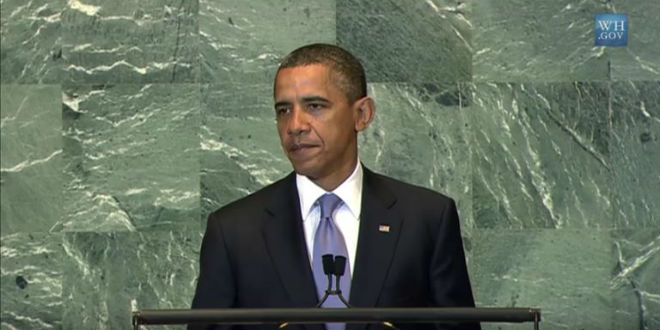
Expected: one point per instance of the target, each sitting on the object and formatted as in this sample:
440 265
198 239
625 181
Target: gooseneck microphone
336 265
340 266
333 266
328 269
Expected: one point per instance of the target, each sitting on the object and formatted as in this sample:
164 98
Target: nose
298 122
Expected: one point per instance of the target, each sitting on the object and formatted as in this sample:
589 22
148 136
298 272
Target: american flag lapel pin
384 228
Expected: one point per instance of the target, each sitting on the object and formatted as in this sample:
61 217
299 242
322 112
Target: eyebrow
305 99
281 104
308 99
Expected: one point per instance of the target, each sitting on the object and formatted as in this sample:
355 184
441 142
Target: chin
306 171
308 174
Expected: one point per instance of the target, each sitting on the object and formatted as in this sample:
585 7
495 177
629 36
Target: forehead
314 78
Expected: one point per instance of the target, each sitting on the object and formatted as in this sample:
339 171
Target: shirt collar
350 192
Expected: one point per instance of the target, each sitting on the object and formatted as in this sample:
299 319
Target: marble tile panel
635 285
241 151
409 41
522 41
418 136
540 155
564 272
31 149
131 157
131 41
635 121
638 60
30 33
108 275
242 42
31 281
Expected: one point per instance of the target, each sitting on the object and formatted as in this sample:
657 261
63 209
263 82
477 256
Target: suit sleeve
215 285
450 284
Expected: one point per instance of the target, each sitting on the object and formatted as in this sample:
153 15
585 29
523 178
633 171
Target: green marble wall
124 123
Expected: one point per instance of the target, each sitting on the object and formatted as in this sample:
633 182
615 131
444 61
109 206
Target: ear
364 112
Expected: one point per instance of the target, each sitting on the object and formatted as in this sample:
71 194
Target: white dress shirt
346 216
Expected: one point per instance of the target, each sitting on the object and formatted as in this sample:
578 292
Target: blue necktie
329 240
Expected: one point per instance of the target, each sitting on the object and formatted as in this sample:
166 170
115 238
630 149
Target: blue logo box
611 30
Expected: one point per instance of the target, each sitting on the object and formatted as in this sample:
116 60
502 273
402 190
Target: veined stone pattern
546 146
131 157
125 123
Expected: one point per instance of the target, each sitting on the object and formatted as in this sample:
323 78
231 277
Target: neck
331 182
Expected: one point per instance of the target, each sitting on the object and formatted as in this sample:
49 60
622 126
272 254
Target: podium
285 316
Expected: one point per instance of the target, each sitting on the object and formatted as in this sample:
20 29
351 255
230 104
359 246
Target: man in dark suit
402 242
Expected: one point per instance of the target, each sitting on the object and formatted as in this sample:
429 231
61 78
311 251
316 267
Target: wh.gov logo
611 30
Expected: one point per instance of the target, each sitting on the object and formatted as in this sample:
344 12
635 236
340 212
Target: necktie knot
328 202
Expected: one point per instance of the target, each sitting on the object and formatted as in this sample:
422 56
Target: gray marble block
567 273
522 41
107 276
413 41
634 282
243 41
31 37
131 156
31 177
31 281
541 155
635 122
130 41
639 60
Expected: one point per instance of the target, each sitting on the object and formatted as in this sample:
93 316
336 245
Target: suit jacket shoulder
251 207
406 195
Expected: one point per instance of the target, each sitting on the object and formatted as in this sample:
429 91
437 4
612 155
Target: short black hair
351 80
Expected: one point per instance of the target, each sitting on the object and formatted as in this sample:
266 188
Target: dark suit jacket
254 253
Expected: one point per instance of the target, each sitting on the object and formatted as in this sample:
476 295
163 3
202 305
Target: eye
282 110
314 106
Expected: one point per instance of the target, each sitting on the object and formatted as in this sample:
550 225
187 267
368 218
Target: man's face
316 124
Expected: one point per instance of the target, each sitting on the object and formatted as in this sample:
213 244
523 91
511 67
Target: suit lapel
284 237
380 226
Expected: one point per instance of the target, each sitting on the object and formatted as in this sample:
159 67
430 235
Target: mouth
300 148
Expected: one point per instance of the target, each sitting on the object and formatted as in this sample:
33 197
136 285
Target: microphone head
340 265
328 264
